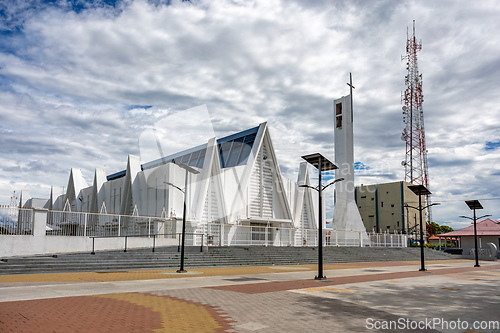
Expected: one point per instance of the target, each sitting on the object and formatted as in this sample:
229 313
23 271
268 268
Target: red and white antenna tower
413 117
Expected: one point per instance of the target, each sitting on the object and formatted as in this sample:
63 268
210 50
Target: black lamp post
322 164
473 205
188 170
421 190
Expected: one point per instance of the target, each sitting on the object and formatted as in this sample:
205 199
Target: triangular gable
304 205
131 190
98 192
76 183
56 201
24 197
208 183
263 142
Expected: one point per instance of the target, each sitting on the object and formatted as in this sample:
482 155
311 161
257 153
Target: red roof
436 237
486 227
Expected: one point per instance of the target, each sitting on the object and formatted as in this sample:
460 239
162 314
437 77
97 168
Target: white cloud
73 83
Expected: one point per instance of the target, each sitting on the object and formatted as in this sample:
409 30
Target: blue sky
81 80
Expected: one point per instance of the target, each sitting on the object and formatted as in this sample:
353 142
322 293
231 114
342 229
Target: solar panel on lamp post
183 240
473 205
322 164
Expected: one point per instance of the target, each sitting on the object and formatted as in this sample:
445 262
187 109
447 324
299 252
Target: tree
435 229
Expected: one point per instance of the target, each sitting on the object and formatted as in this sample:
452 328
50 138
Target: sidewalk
355 297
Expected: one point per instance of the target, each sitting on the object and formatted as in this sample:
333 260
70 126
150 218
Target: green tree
435 229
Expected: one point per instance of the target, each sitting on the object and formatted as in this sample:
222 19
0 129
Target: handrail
147 235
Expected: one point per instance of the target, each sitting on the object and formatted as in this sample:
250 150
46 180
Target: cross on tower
351 88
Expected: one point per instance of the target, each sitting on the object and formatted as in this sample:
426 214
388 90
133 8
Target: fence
230 234
63 223
388 240
191 238
16 221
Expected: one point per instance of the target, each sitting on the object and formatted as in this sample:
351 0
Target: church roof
233 150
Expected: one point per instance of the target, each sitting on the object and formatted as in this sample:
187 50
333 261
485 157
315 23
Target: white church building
237 196
232 190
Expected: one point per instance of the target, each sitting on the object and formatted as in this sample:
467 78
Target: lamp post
322 164
183 240
421 190
473 205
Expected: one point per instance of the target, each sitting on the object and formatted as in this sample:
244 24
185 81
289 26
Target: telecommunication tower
415 162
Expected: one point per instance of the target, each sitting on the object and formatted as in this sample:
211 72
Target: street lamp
473 205
188 170
421 190
322 164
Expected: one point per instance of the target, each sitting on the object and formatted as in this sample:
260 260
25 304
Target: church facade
235 180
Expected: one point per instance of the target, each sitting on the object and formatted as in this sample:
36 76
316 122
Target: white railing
19 221
230 234
16 221
63 223
388 240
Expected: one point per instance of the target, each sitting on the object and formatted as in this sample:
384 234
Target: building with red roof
488 230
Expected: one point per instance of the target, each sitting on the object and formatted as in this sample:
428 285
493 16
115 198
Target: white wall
39 243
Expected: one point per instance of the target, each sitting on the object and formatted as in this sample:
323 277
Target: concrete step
168 258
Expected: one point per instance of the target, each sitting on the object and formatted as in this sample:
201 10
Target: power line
461 200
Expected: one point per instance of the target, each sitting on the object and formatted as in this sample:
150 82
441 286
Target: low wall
489 253
39 243
30 245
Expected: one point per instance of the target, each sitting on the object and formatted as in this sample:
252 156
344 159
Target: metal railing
191 239
388 240
230 234
19 221
63 223
16 221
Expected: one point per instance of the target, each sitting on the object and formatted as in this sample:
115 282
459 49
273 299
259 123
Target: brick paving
127 312
257 288
255 299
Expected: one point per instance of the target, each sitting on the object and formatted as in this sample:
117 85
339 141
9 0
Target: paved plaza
451 296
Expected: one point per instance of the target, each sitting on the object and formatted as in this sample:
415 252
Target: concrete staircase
168 258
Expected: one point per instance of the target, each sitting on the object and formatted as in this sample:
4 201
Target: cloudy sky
81 80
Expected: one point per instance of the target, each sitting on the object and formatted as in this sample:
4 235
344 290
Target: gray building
382 207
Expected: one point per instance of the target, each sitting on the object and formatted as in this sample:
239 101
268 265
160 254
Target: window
338 115
185 159
201 159
247 148
194 158
224 152
235 152
259 232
